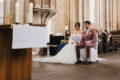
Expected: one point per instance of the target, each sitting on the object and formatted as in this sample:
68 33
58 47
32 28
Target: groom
88 41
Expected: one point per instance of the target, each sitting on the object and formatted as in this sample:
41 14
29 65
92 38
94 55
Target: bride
68 54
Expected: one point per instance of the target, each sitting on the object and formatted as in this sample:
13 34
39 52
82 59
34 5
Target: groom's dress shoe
88 62
78 62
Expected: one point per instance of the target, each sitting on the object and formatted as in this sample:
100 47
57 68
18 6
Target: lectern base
14 64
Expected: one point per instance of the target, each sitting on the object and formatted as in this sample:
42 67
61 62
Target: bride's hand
72 43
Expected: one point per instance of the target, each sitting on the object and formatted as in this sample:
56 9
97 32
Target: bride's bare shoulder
73 31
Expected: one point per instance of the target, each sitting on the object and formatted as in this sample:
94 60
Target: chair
93 53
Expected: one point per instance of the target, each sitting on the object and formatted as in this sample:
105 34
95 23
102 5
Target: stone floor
104 70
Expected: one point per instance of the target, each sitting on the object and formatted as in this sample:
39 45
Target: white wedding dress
67 55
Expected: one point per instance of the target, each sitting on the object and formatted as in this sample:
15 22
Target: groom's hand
77 43
87 42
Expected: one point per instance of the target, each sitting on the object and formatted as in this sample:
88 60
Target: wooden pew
115 40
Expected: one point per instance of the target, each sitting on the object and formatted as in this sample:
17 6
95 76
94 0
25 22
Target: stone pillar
97 13
75 13
114 14
81 20
67 15
107 15
92 10
102 14
110 13
86 10
118 14
71 14
94 13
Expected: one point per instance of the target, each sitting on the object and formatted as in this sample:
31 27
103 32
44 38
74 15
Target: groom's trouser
78 47
88 46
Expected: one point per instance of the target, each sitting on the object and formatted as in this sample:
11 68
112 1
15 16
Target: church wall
106 13
61 19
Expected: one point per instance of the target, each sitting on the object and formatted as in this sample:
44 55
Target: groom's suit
89 36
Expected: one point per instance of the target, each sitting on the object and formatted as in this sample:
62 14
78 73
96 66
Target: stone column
81 20
67 14
94 12
114 15
71 14
110 14
86 10
107 15
118 14
102 14
74 12
97 13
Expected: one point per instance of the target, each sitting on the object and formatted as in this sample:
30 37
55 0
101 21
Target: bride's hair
77 24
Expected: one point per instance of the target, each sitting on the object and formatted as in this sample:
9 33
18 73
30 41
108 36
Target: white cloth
66 56
25 36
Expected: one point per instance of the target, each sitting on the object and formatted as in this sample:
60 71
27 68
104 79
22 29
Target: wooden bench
115 40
